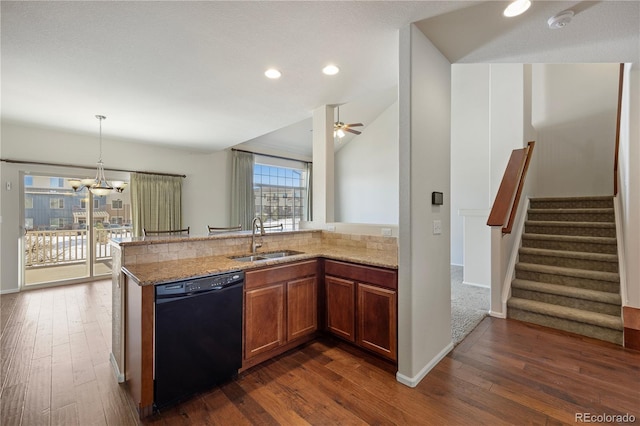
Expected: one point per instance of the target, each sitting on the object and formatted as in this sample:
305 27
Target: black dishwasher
198 335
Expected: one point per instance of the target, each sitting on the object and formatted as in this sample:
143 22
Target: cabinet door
340 298
302 307
264 319
377 320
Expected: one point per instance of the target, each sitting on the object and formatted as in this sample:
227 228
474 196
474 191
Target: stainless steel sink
278 254
248 258
265 256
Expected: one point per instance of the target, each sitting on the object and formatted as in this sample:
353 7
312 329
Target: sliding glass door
67 233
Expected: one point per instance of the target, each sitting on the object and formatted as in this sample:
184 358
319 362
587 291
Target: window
28 202
56 203
56 182
28 223
28 181
96 203
116 204
56 223
280 189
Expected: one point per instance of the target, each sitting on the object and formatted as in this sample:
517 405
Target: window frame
280 191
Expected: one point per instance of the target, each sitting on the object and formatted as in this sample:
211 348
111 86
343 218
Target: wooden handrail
615 157
510 190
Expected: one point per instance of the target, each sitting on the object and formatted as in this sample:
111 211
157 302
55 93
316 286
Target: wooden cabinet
264 319
377 320
361 303
340 300
302 307
280 309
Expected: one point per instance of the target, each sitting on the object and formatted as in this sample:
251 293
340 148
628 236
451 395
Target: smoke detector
560 20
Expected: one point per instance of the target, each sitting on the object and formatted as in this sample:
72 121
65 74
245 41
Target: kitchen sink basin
248 258
265 256
278 254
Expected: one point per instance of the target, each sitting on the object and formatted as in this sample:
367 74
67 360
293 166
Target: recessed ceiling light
331 70
516 8
272 73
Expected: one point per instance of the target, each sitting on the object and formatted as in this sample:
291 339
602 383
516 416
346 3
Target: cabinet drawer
382 277
278 274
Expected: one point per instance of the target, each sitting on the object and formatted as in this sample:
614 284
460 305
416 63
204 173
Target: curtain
243 204
156 202
308 213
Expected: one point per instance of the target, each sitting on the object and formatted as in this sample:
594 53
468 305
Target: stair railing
505 205
615 155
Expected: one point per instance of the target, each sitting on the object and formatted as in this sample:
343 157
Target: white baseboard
9 291
413 381
495 314
476 284
116 369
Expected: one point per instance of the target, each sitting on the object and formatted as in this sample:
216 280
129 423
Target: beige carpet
469 305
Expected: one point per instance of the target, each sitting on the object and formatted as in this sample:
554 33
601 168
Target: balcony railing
50 248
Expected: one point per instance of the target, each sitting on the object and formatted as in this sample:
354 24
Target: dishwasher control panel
213 282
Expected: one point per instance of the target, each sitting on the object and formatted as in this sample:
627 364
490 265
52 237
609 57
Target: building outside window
56 203
280 189
56 182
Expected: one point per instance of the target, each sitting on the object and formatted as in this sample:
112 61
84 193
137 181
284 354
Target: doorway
67 233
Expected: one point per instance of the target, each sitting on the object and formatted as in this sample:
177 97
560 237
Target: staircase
567 275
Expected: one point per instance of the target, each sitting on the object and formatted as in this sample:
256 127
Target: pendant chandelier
98 186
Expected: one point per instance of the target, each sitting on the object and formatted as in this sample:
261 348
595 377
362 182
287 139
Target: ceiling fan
339 128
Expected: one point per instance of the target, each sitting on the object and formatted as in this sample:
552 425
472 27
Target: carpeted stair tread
605 210
571 314
594 331
600 257
570 272
564 224
573 202
586 198
581 243
562 290
570 238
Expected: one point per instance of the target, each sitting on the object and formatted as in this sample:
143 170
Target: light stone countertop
175 270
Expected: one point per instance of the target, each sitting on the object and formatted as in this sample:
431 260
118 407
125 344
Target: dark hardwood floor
55 370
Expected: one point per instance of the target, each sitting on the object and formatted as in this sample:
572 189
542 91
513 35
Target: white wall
470 147
366 173
424 284
574 111
205 189
629 183
490 118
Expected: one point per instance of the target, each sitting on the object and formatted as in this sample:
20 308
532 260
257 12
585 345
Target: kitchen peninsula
330 281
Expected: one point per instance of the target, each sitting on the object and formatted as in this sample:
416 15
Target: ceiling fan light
517 7
330 70
340 133
272 73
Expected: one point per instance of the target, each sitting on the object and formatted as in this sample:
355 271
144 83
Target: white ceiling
190 74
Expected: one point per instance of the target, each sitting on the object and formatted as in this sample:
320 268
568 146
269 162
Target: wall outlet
386 232
437 227
331 228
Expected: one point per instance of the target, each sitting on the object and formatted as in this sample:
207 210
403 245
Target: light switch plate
437 227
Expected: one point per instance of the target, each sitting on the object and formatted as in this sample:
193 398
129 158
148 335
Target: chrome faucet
257 221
